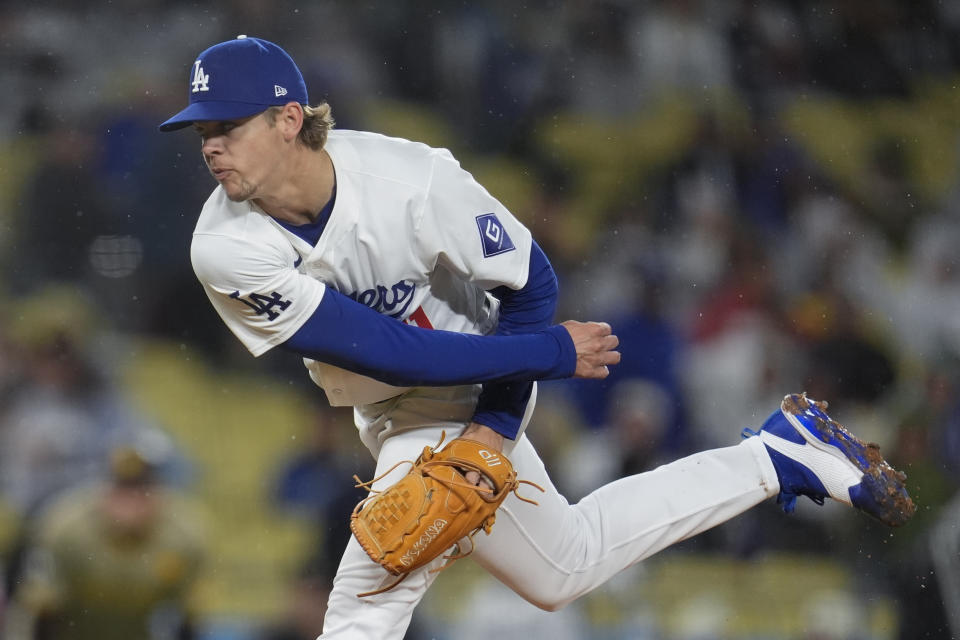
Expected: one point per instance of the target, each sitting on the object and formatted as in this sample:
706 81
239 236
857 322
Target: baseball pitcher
415 297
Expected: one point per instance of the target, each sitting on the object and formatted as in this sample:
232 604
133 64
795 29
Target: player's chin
237 193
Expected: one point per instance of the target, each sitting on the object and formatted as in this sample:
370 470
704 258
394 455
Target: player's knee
552 606
547 599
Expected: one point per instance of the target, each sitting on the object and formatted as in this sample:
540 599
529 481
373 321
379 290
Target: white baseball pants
552 553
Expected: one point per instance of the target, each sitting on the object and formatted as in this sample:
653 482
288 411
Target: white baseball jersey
411 235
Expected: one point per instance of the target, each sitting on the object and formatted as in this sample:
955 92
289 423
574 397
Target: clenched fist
596 348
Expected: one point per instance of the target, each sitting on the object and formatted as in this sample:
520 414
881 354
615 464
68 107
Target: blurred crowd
760 197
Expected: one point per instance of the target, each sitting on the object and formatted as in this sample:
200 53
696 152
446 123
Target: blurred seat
236 428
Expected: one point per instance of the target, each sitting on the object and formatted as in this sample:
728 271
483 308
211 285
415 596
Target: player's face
242 155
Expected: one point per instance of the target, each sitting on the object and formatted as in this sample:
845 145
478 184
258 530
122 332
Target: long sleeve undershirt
351 336
501 405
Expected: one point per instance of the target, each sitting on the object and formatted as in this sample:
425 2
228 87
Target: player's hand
489 437
596 348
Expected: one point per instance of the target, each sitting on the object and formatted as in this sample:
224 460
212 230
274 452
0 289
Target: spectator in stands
113 561
65 414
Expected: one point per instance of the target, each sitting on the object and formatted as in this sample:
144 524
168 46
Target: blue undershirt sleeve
501 405
349 335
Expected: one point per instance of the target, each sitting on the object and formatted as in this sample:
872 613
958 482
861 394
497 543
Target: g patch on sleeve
493 236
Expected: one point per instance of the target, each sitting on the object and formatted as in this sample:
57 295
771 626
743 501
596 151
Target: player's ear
290 120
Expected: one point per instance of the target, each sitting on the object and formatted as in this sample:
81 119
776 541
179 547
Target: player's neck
305 186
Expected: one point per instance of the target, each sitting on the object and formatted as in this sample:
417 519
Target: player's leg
387 615
554 552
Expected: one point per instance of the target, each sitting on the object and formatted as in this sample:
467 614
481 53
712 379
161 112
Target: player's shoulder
225 221
229 235
224 216
380 143
388 157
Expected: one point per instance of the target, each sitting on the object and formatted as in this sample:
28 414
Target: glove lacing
427 468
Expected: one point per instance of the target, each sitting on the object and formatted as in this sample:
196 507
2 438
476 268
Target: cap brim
212 110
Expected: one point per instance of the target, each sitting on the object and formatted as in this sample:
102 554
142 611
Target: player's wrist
484 434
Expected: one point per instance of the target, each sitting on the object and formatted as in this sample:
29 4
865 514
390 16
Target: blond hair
317 121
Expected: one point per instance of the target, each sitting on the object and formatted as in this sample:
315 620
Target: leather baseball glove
433 508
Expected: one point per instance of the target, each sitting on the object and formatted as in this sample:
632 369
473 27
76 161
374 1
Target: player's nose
211 145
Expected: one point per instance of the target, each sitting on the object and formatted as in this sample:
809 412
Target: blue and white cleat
815 456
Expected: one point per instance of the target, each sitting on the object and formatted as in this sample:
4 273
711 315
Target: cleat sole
881 493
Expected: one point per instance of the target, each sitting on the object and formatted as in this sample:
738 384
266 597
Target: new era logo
493 236
279 91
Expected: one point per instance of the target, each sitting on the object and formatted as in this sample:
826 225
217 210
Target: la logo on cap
200 79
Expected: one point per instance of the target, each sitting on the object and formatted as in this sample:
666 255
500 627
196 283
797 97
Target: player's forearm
349 335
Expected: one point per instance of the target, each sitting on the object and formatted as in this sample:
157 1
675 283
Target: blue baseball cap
239 78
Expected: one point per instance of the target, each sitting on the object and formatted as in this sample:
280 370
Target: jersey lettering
392 301
264 304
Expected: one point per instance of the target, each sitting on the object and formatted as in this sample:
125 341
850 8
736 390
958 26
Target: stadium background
761 197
